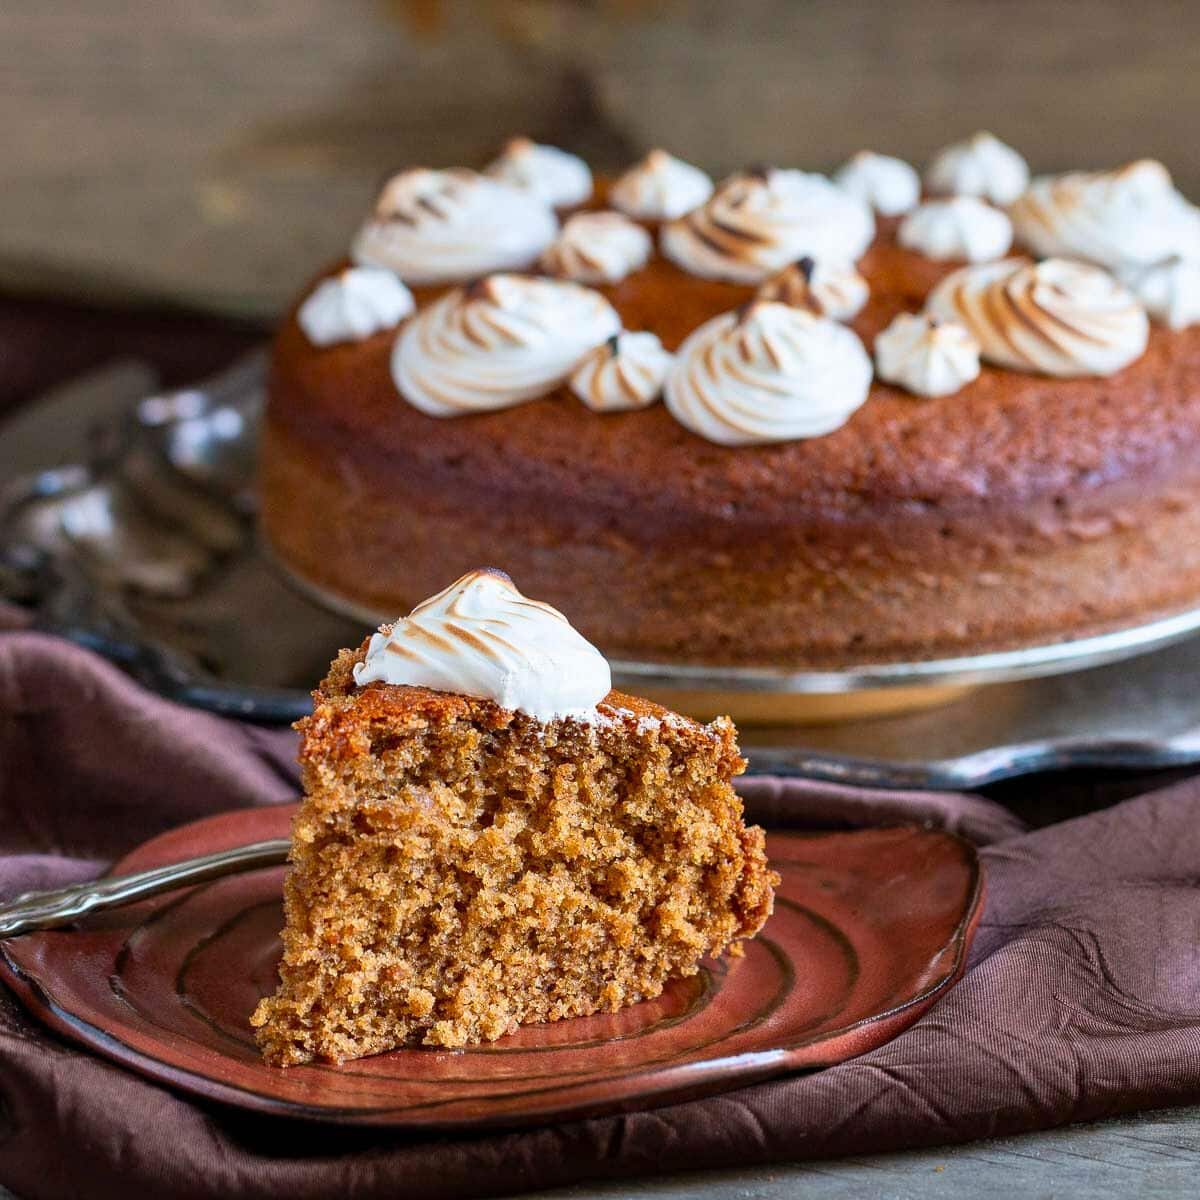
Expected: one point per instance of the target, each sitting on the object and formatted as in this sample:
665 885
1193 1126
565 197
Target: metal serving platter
140 544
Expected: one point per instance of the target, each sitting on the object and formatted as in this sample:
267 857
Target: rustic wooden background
213 153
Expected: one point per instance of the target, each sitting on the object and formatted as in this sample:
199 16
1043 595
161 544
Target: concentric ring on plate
165 988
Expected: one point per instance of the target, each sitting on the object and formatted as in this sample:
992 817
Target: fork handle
53 909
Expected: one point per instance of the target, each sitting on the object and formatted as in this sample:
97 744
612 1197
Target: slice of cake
490 836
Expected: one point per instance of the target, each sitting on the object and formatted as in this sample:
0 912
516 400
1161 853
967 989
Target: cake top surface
1001 438
828 428
347 717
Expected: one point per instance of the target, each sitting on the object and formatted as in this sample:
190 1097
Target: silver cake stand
143 548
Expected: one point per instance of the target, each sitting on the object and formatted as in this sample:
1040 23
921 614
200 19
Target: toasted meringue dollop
767 373
983 166
834 290
660 188
961 227
503 340
1170 290
554 176
352 305
597 247
1056 317
889 185
1129 217
447 226
756 223
926 356
624 374
480 637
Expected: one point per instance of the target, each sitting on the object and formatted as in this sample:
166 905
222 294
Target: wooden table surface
1155 1156
1152 1157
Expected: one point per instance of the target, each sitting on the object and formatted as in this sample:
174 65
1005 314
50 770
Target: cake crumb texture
458 870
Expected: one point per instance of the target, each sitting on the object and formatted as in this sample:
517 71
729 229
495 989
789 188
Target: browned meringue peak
597 247
960 227
625 374
767 372
660 188
889 185
926 356
504 340
556 177
1170 290
837 291
354 304
434 227
1127 218
481 637
1056 317
982 165
759 221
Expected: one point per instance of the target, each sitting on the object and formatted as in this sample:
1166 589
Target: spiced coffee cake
490 837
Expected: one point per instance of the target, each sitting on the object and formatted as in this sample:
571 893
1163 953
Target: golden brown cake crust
1018 510
338 695
458 869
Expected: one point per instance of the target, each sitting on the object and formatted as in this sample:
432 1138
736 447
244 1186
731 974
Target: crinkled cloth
1082 996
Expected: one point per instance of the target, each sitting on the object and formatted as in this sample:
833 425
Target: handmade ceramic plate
869 929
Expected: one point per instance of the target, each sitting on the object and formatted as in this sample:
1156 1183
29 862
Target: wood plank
215 154
1155 1156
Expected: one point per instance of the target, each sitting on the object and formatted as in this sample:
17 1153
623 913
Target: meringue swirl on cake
554 176
1056 317
480 637
925 356
1124 218
889 185
447 226
758 222
981 166
352 305
624 374
961 227
767 373
597 247
1170 290
834 290
660 188
503 340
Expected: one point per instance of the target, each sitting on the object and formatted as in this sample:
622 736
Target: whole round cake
783 420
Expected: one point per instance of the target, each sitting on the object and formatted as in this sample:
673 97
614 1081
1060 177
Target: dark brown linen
46 342
1082 998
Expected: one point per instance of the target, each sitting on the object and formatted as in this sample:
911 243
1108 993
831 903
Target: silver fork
61 906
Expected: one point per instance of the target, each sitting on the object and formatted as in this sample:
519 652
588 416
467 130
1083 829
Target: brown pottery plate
870 928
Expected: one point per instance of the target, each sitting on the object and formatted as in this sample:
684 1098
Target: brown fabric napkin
46 342
1082 997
